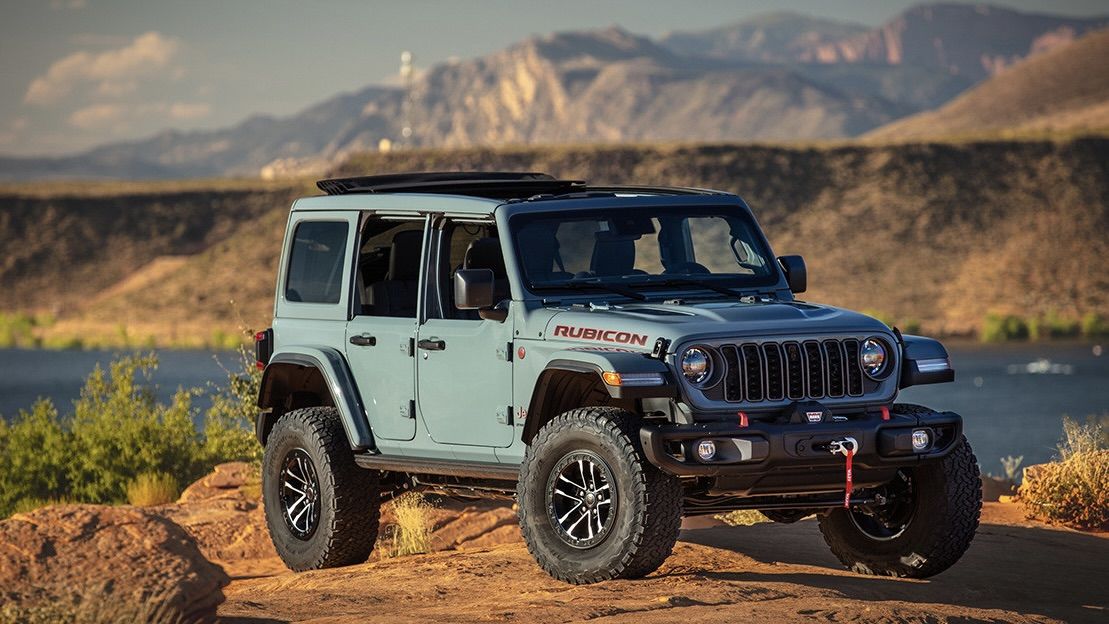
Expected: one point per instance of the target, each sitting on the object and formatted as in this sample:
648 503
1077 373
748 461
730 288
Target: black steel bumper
794 458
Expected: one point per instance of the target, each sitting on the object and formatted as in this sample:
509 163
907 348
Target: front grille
776 371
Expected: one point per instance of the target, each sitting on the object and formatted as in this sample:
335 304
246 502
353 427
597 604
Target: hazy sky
77 73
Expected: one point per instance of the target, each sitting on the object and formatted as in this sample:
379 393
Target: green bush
999 328
17 330
1093 325
1074 490
118 431
229 422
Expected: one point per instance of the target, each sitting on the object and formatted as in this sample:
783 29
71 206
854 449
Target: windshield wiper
685 281
594 284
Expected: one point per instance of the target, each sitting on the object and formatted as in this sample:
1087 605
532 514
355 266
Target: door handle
433 344
365 340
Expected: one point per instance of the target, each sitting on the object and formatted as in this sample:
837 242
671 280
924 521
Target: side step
449 468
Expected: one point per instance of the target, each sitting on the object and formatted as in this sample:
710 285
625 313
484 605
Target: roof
469 192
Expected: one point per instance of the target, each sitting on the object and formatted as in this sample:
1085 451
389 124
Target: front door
381 334
464 362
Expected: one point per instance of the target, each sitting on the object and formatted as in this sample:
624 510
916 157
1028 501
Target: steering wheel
687 268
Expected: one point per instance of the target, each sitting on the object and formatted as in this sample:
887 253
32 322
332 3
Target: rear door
381 333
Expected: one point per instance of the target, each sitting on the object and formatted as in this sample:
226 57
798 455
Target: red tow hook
846 447
743 419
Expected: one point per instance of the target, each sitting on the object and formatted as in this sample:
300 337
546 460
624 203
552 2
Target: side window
468 246
315 272
389 267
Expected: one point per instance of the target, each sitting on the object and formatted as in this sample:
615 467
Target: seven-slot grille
778 371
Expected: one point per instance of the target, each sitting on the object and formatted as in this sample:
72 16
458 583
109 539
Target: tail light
263 348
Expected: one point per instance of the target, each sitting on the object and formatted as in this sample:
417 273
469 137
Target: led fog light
921 439
706 450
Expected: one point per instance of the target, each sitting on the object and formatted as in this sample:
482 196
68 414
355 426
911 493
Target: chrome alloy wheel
581 499
300 494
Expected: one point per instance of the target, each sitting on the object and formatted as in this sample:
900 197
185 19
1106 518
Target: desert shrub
120 431
1074 490
1093 325
229 422
412 529
30 504
17 330
94 607
999 328
34 452
152 488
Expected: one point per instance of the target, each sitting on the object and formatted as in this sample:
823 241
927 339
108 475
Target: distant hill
778 77
1065 90
971 40
181 262
780 37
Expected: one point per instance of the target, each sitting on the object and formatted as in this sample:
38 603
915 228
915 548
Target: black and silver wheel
581 499
592 507
921 523
322 510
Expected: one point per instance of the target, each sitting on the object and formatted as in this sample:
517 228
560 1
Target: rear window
316 262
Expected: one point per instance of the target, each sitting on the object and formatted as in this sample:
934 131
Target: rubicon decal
604 335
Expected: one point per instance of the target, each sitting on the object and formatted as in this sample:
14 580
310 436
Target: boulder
224 480
119 563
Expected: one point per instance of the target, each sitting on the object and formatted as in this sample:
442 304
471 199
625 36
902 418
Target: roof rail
491 184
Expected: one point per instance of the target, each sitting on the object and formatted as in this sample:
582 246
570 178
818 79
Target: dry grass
743 517
1074 490
411 534
94 607
153 488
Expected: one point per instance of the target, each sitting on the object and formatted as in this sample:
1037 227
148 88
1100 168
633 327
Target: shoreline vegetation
43 331
118 444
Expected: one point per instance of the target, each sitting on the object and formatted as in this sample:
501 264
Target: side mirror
796 275
473 289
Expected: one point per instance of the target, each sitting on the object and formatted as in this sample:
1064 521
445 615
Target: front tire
592 507
322 510
925 529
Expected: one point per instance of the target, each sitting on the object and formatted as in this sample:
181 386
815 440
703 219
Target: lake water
1012 396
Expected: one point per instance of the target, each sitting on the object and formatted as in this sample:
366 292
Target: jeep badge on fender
616 358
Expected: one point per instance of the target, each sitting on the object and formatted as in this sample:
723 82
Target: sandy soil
1016 571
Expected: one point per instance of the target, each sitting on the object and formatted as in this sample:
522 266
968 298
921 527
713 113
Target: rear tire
935 529
632 510
322 510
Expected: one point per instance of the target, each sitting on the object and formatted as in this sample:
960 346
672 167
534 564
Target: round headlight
696 365
873 357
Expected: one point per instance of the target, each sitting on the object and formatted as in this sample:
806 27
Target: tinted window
316 262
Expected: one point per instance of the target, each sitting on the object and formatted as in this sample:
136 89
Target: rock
224 480
993 488
121 563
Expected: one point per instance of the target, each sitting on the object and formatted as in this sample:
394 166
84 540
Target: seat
613 255
397 294
485 253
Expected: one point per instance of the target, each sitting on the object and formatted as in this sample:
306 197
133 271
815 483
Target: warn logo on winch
604 335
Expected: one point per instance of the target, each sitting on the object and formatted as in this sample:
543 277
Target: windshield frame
734 208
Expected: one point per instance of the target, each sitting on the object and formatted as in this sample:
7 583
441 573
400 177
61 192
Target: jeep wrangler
611 358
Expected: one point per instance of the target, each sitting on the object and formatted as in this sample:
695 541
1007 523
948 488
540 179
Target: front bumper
778 458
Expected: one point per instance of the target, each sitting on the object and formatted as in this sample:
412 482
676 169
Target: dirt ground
1016 571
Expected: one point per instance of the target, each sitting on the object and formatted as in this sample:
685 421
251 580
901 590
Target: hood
639 325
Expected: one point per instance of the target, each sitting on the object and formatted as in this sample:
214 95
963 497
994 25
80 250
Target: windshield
642 248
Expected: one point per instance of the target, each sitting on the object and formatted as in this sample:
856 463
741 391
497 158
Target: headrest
612 255
539 246
404 256
485 253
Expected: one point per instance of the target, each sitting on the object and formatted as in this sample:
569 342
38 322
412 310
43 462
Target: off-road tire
648 510
948 503
349 496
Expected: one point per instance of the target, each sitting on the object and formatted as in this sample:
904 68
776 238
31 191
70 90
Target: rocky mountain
1065 90
975 41
774 37
778 77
